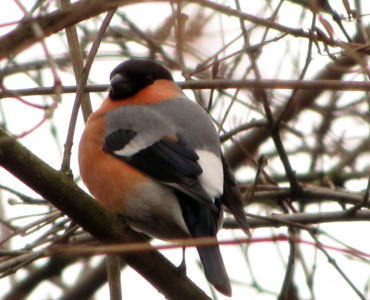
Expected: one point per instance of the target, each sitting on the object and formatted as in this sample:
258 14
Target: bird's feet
125 220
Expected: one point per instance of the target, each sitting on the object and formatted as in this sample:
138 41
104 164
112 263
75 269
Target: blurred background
287 86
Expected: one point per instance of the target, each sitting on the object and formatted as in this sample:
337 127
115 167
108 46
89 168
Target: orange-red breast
152 155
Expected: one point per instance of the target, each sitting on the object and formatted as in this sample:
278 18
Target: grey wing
149 144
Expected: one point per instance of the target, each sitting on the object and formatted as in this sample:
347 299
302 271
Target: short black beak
121 87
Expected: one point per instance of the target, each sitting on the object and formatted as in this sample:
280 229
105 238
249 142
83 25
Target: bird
153 156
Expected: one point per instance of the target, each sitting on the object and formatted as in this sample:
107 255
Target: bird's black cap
132 75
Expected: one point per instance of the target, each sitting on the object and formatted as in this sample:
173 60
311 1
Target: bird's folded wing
169 160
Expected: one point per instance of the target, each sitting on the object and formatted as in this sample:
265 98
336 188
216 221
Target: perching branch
64 194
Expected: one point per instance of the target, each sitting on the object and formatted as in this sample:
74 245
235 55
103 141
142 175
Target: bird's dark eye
148 80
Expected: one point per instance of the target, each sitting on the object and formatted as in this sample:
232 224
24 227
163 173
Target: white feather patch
135 145
212 178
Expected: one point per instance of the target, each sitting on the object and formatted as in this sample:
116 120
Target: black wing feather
118 140
172 162
167 161
232 197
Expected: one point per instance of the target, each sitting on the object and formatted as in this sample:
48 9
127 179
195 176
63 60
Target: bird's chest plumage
150 206
104 175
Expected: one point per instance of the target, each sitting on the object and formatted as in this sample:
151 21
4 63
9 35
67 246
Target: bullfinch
153 156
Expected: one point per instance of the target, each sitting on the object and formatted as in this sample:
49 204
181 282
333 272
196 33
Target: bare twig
81 88
77 61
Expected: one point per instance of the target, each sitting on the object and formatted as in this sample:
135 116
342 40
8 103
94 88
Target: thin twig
77 61
113 265
330 85
81 89
300 220
333 262
287 286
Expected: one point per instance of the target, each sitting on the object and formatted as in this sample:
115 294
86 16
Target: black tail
214 268
202 222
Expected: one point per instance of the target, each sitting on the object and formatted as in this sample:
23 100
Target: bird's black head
131 76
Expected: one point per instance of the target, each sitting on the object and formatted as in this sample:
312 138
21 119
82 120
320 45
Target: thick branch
64 194
24 36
